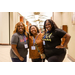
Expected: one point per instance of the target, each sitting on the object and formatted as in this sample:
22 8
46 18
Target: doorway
65 28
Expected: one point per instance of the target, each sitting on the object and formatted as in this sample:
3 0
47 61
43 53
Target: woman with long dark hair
54 50
35 38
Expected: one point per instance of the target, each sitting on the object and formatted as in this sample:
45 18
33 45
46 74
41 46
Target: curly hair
16 28
54 26
30 30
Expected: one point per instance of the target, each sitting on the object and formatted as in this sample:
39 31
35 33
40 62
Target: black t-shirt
53 39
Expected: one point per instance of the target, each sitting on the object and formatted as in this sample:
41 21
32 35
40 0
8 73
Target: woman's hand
42 56
21 58
67 38
59 46
16 52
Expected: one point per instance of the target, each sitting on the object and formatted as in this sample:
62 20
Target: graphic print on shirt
22 40
47 37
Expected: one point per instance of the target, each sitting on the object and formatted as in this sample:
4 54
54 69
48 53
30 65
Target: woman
19 43
54 50
35 38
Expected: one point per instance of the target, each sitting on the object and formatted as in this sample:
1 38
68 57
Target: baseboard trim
4 44
71 58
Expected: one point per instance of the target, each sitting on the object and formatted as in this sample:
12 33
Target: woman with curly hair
35 38
54 50
19 43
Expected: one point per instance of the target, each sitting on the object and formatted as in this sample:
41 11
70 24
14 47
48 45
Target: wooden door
65 28
21 18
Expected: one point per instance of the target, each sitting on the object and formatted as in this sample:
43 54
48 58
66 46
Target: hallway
9 19
5 55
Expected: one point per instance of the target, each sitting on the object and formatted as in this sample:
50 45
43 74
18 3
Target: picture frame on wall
73 18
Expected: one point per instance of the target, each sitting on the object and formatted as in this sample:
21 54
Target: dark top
53 39
18 39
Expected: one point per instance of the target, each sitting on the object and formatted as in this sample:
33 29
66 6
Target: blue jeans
18 60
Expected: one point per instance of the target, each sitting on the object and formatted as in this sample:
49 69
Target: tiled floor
5 55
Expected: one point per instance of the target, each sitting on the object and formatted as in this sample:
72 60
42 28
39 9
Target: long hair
16 28
30 30
54 26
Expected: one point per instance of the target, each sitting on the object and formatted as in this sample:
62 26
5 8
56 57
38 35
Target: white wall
11 24
67 20
71 29
4 27
14 18
57 18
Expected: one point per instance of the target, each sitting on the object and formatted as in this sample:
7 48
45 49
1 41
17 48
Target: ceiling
36 18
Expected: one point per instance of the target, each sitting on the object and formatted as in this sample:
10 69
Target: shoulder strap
28 38
37 49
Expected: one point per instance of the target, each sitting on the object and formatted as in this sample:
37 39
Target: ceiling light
36 17
36 13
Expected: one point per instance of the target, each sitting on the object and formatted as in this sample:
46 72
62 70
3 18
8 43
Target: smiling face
20 28
33 30
48 26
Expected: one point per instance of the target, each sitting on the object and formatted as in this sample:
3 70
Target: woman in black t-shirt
54 50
